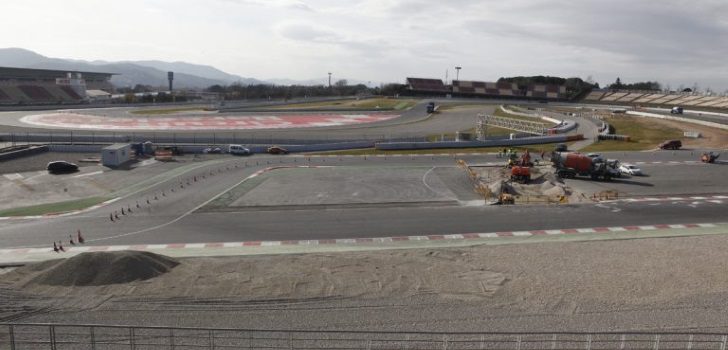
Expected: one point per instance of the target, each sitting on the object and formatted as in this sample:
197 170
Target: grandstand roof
15 72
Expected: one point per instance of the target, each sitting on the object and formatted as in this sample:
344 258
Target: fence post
212 339
93 336
553 342
11 334
171 338
690 342
52 335
132 346
722 344
657 342
588 341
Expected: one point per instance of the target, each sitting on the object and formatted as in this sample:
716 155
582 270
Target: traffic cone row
58 247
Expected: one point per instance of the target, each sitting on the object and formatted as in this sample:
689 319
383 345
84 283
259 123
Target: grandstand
483 88
426 85
657 99
27 86
546 91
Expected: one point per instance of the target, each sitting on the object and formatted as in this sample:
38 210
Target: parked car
239 150
630 169
277 150
215 150
671 144
676 110
61 167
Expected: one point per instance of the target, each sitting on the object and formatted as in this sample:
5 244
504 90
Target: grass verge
54 208
644 135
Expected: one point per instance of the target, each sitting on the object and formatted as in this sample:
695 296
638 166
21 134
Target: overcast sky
672 41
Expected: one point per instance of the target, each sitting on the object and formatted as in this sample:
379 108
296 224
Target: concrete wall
469 144
23 152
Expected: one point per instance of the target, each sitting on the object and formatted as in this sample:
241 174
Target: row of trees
238 91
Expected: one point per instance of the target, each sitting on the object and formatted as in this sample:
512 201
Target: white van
239 150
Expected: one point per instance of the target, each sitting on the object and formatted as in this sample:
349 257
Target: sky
675 42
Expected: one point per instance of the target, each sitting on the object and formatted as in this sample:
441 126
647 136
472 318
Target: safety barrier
613 137
18 152
562 126
470 144
58 336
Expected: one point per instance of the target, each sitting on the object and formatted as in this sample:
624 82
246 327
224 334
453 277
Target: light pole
329 80
457 72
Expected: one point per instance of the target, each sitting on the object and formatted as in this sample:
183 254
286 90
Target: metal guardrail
98 337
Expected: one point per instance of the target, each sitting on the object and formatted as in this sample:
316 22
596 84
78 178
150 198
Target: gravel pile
104 268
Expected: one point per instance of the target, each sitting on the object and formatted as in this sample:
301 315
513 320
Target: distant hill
130 73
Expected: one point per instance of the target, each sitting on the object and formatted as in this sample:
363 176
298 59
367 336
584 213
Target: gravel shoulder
646 284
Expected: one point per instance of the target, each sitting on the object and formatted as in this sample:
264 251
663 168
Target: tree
341 83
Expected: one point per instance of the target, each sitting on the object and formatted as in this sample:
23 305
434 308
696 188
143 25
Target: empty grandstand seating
45 86
701 100
71 93
4 97
501 88
658 99
630 97
426 85
614 96
594 96
546 91
649 97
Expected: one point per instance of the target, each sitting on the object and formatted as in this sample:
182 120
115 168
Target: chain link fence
97 337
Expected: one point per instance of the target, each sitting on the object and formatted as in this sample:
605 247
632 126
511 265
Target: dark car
277 150
61 167
671 144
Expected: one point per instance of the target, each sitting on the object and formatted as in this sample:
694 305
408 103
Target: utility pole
457 72
329 80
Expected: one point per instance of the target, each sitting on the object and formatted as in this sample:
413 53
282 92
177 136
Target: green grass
363 104
644 135
51 208
167 110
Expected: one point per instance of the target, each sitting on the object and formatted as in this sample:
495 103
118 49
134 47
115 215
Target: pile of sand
101 268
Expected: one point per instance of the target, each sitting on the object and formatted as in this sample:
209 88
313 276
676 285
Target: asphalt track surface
414 122
175 217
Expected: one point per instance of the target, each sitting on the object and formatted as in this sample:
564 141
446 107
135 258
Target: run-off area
348 186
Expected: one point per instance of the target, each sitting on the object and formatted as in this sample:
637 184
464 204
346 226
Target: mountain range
130 73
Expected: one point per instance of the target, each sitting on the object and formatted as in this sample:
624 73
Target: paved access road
175 215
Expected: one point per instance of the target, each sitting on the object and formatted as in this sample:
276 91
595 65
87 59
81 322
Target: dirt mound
103 268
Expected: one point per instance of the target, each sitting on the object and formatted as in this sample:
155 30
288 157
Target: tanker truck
571 164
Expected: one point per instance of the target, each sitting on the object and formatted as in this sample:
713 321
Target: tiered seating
501 88
71 93
615 96
545 91
16 95
594 95
665 99
648 98
37 93
723 104
426 85
4 98
714 101
630 97
682 100
701 100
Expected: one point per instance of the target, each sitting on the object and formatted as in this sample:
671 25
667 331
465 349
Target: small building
116 154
